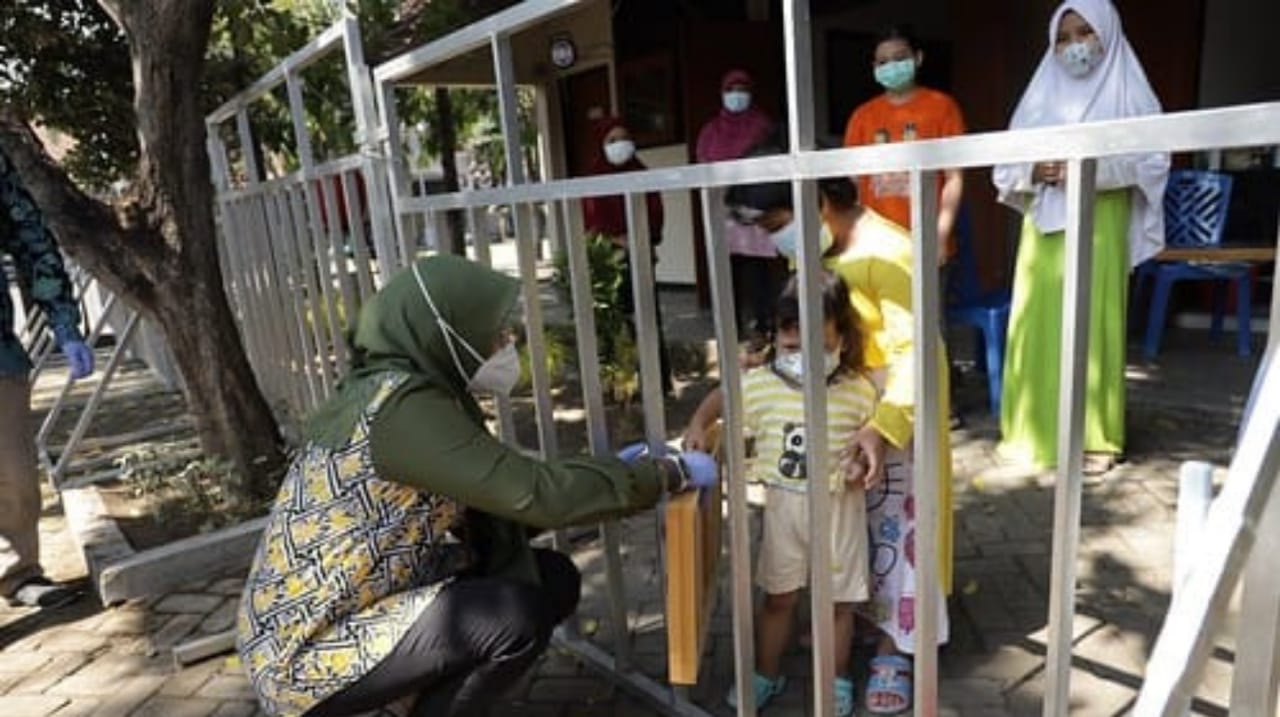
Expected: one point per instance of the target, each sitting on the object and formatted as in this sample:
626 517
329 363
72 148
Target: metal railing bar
1076 300
301 58
1175 132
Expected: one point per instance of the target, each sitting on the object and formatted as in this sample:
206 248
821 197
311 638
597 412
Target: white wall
676 259
1239 63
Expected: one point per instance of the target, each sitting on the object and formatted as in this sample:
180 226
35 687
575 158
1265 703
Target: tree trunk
160 255
447 139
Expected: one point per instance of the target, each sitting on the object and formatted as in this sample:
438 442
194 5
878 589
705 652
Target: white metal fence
282 263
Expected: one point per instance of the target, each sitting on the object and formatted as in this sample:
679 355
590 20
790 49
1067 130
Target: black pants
626 301
474 641
757 282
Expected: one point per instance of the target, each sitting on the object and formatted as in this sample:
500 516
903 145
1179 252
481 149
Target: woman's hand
1052 173
865 456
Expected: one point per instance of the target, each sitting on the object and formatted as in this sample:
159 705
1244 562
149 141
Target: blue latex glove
79 357
633 452
701 469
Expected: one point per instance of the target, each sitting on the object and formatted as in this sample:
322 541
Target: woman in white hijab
1089 73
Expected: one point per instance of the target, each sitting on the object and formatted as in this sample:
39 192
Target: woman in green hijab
395 560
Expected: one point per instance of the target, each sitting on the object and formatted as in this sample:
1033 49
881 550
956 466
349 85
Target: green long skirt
1029 405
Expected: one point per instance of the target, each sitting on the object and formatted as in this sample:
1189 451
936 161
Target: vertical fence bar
274 365
397 177
324 306
253 174
1076 300
1273 331
584 321
1257 665
322 359
527 255
800 110
291 277
734 449
506 416
927 438
380 213
359 240
283 360
335 215
1183 646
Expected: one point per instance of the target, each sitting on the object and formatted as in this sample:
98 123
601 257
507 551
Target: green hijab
398 331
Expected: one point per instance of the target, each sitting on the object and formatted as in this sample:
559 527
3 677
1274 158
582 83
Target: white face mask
619 151
791 365
497 374
787 240
737 100
1079 58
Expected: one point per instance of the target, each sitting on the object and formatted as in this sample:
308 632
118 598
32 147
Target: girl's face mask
790 365
1081 57
787 240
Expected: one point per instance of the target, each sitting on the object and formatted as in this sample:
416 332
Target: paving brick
231 587
175 707
73 641
49 674
201 603
227 687
175 631
127 695
127 620
30 705
190 679
221 619
970 692
23 663
80 707
236 708
106 673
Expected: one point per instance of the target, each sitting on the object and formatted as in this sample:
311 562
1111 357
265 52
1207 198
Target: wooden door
585 99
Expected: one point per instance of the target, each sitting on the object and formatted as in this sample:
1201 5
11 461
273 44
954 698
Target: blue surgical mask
896 75
1079 58
737 100
787 240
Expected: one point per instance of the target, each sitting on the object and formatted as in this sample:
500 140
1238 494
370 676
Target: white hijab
1115 89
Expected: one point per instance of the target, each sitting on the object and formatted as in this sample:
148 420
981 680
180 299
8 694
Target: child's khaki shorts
784 550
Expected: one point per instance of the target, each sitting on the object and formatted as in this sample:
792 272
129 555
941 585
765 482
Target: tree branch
87 229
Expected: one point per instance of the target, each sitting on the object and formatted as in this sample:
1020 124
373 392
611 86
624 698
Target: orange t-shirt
928 114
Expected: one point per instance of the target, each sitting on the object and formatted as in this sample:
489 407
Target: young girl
773 400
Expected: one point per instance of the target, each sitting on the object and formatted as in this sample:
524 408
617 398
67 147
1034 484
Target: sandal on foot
765 688
889 689
846 701
1096 464
43 593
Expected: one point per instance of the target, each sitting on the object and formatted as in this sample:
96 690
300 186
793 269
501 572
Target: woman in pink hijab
758 271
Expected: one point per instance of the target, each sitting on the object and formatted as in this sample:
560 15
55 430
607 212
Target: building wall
1240 63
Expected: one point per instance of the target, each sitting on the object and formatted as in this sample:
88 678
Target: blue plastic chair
1195 215
968 304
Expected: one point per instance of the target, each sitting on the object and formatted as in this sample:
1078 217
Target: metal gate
284 263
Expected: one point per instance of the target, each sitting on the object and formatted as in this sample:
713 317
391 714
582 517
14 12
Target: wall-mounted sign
563 52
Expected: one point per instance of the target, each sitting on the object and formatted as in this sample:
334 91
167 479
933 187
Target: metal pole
1077 282
1256 679
927 439
734 450
584 321
86 416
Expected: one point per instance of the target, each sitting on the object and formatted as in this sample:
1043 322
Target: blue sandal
890 678
765 688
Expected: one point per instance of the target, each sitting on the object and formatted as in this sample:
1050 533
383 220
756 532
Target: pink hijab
731 134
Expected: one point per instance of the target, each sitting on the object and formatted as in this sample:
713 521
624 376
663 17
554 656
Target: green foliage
619 358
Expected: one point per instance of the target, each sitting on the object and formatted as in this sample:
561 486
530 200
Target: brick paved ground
87 660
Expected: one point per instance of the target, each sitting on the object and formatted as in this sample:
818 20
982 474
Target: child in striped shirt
773 401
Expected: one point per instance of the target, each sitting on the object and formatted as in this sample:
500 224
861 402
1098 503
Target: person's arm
948 210
36 258
422 438
711 408
889 285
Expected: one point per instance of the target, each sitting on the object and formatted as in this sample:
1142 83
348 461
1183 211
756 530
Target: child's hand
855 473
695 438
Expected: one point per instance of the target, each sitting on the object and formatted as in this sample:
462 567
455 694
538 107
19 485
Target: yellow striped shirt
774 414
